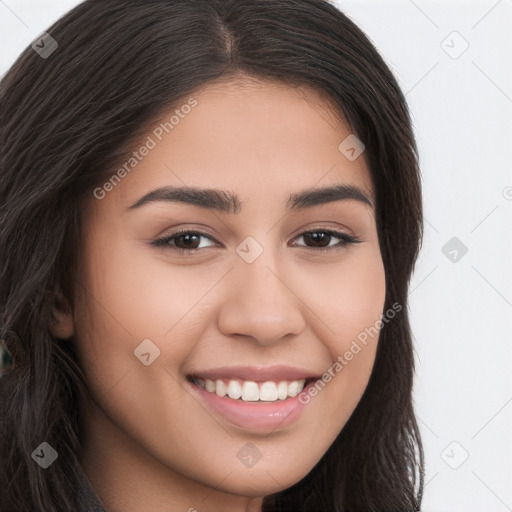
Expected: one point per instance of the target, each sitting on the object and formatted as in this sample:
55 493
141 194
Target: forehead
263 139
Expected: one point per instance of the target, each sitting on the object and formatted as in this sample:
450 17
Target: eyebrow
228 202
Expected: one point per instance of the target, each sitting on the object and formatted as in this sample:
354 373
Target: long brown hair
69 118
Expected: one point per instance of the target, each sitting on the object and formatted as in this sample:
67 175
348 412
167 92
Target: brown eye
182 241
317 238
321 239
189 240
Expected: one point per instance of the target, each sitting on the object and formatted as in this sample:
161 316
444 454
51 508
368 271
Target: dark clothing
88 500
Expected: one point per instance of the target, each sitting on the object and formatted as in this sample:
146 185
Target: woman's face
258 297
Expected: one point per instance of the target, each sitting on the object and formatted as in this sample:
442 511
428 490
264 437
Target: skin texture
148 443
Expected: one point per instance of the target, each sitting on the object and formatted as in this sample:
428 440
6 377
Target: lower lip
255 416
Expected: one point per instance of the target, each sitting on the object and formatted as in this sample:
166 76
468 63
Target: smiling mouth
251 391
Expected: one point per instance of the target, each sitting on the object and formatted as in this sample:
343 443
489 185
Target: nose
261 302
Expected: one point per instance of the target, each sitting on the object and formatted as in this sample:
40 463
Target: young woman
210 213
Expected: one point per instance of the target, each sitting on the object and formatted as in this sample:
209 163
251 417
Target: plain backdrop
453 61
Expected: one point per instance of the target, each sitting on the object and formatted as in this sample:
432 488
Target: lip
257 417
259 374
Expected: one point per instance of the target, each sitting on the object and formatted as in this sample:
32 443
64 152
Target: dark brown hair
69 119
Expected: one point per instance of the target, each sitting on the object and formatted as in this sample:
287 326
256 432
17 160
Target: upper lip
256 373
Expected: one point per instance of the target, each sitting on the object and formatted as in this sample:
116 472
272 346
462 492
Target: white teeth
268 392
293 388
234 389
282 390
250 391
220 388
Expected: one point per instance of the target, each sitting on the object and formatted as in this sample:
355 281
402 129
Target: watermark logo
454 45
507 193
45 455
351 147
45 45
249 249
454 249
249 454
455 455
146 352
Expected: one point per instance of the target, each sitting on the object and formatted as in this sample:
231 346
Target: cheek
352 302
349 296
134 297
128 299
358 300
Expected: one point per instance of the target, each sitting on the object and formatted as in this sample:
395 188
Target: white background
461 310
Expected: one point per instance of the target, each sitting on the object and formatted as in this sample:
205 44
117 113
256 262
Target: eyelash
164 241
